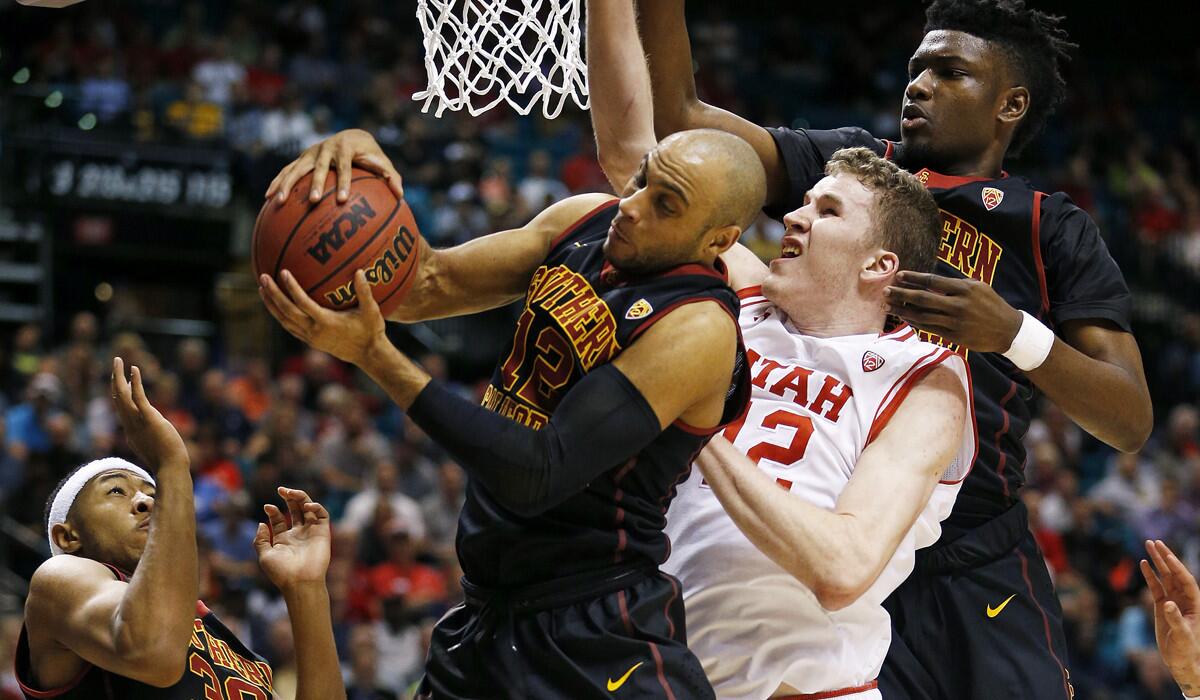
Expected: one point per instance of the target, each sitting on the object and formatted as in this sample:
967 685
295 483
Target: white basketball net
481 52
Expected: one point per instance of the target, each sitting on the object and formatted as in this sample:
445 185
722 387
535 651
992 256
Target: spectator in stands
105 93
364 505
363 682
1131 488
218 74
539 189
28 422
194 116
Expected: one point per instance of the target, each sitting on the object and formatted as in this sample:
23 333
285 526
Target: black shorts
979 619
619 635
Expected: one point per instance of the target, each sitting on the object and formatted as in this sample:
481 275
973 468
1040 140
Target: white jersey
816 403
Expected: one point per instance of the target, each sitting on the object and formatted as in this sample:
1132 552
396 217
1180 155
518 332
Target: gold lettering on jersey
942 342
255 672
582 315
819 393
512 409
968 250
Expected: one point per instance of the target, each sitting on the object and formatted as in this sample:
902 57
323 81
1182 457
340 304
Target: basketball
322 244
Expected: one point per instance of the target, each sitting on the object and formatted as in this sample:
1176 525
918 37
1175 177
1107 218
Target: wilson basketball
322 244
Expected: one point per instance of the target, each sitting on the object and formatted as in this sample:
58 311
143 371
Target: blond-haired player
788 540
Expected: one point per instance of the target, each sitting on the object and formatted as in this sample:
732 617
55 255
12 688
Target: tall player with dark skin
960 111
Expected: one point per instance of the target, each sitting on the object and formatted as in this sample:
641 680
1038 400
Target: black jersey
1041 253
218 666
579 314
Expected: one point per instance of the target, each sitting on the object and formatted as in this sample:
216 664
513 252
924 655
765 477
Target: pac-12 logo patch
871 361
992 198
640 309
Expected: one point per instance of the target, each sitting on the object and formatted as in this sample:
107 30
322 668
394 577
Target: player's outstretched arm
664 34
1176 615
138 629
679 369
619 83
838 554
295 556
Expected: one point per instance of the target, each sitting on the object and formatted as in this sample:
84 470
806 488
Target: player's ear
722 238
66 537
1014 105
881 266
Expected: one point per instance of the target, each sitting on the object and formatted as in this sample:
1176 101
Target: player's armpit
684 363
895 476
491 271
74 610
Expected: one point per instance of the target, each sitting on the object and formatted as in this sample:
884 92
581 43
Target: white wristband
1031 346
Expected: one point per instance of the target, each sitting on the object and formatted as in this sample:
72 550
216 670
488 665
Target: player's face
826 246
954 94
113 513
661 220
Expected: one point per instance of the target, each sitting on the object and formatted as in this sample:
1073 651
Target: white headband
66 495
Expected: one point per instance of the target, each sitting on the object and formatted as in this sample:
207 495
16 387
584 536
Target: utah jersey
581 313
816 404
218 666
1041 253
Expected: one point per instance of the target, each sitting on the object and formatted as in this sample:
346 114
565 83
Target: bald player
624 362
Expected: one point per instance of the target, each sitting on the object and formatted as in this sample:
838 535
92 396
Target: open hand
343 150
151 436
347 335
298 553
963 311
1176 614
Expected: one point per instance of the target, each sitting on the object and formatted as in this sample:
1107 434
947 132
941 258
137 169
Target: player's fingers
362 289
316 510
1152 581
122 395
275 518
291 173
917 298
344 164
1156 556
300 298
297 331
320 171
928 280
262 539
1185 589
293 506
921 318
382 166
1178 625
284 309
139 391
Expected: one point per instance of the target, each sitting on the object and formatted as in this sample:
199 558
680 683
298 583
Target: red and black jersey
219 667
1040 252
579 314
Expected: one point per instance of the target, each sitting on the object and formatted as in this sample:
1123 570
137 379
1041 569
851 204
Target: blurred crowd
264 80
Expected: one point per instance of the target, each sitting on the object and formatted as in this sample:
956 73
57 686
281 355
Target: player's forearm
599 424
828 552
448 284
159 605
1105 399
318 674
622 106
397 375
663 28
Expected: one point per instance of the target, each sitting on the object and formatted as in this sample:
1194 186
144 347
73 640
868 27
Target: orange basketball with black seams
323 243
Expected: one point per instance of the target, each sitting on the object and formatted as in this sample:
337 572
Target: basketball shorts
612 635
978 618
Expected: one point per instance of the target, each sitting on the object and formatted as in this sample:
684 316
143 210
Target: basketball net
479 53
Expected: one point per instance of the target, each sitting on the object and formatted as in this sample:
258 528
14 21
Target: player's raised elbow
839 590
161 667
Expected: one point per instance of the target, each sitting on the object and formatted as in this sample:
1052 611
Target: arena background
137 138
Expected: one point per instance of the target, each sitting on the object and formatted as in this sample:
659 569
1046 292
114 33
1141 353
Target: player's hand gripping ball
322 244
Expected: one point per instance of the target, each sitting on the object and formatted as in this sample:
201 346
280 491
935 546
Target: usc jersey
816 403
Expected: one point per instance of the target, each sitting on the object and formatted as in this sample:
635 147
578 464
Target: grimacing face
110 520
955 90
663 216
826 244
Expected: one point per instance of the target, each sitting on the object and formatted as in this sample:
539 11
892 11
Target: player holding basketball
113 614
625 360
1012 260
856 441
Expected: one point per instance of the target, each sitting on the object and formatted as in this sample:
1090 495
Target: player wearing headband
114 613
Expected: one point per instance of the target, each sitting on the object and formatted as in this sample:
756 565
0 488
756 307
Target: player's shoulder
566 212
830 140
59 575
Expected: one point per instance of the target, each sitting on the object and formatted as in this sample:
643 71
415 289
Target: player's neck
834 320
